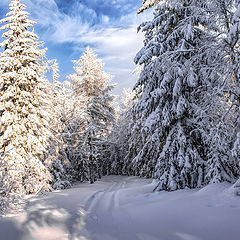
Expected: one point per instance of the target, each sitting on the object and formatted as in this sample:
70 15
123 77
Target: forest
179 125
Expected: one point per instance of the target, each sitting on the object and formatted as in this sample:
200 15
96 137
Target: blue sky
108 26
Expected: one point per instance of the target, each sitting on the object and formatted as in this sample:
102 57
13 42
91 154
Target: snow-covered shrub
7 200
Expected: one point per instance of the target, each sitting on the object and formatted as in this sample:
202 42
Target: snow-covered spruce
89 140
23 92
172 115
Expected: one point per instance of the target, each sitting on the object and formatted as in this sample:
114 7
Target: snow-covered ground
125 208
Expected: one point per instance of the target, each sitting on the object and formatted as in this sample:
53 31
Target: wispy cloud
109 26
117 47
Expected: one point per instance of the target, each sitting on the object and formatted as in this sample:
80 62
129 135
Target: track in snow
105 199
104 215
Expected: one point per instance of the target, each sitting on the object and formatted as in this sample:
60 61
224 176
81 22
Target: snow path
125 208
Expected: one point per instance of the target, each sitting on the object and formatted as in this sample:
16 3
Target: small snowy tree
220 166
23 92
91 84
6 199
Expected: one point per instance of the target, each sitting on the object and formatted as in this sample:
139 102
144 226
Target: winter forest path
84 212
125 208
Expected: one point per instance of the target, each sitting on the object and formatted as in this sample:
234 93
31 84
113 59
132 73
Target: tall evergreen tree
172 111
23 123
91 83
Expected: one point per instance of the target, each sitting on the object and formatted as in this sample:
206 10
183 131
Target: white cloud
117 47
45 12
115 42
